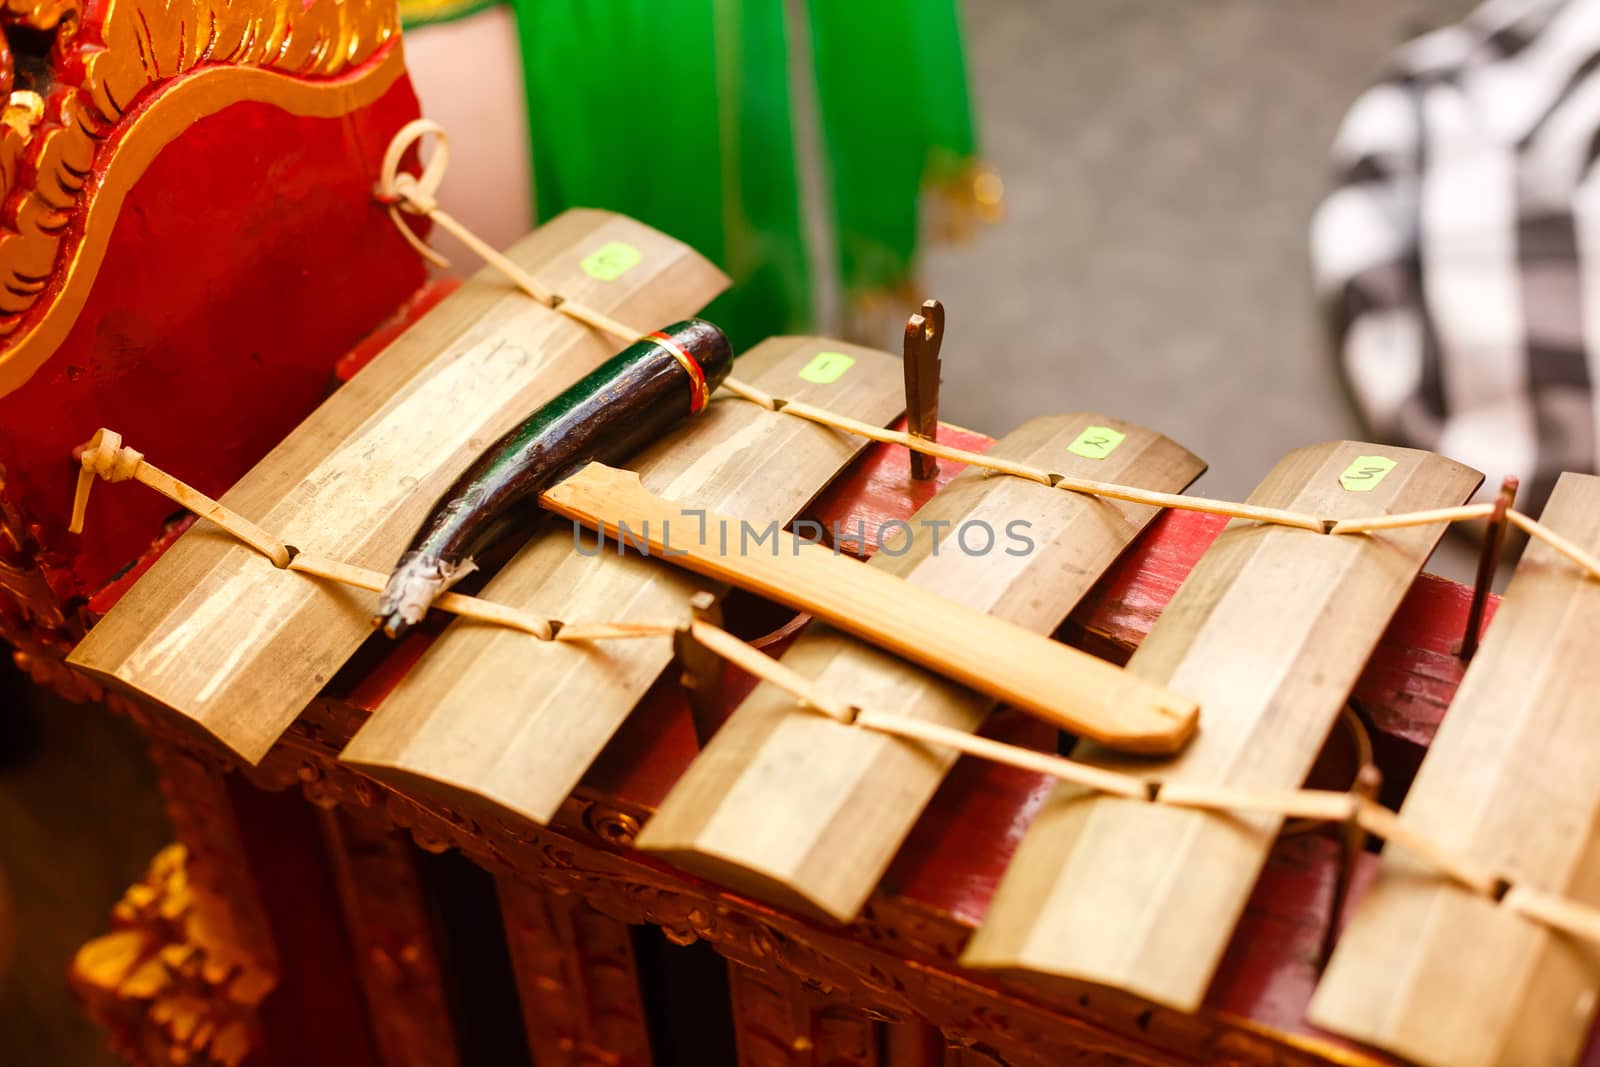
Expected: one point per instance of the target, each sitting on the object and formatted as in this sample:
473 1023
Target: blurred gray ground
1162 159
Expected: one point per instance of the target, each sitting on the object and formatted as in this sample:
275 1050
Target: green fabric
675 112
892 101
678 113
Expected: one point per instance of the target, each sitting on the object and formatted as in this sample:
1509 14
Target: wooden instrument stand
303 852
222 266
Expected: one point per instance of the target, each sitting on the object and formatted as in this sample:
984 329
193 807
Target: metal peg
924 333
1494 543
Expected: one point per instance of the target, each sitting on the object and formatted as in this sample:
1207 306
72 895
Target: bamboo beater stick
1056 682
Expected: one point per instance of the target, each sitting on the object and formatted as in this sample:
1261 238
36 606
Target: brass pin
1494 542
924 334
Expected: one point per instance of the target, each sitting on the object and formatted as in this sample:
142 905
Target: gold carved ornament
167 989
123 88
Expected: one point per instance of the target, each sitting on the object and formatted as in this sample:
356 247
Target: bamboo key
1070 688
239 646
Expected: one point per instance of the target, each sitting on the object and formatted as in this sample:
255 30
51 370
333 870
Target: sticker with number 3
1365 473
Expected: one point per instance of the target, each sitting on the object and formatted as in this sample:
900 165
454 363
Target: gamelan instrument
1014 752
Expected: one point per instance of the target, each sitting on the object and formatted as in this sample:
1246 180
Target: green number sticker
1365 472
611 261
1096 442
826 367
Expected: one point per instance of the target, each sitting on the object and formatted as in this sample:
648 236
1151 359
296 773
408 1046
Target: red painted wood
421 302
1126 602
245 263
112 591
879 487
1271 967
952 862
318 977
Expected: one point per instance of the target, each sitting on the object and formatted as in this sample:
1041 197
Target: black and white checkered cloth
1460 251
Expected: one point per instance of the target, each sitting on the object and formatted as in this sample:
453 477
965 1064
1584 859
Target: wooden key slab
808 811
1268 633
1447 977
218 634
1055 682
499 716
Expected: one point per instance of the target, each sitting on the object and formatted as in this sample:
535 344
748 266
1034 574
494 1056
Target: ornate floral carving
33 620
163 995
220 883
609 824
578 979
102 67
387 919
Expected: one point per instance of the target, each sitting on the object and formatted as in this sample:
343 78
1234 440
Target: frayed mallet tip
418 580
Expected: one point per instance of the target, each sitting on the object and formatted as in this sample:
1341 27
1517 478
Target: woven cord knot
103 457
415 194
106 457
